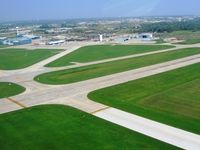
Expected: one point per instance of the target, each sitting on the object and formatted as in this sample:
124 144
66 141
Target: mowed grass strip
190 41
188 37
61 127
94 71
3 46
10 89
11 59
99 52
172 98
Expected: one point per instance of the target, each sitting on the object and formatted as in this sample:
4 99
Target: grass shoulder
99 70
62 127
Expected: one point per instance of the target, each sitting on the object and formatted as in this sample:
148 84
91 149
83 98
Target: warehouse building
146 37
18 41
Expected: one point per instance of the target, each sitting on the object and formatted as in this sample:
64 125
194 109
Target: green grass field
10 89
189 37
190 41
11 59
99 52
3 46
172 98
94 71
160 41
59 127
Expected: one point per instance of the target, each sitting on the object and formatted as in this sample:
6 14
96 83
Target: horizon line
88 18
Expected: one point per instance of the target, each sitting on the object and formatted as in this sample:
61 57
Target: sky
12 10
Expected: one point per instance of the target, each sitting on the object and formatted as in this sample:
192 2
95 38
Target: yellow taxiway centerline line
16 102
99 110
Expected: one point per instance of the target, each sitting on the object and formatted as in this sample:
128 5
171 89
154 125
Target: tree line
160 27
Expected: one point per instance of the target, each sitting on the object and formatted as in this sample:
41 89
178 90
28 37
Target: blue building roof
19 41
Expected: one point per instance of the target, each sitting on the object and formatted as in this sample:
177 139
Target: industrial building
20 39
135 37
17 41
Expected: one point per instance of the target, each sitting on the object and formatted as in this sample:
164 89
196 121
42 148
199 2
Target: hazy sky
63 9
